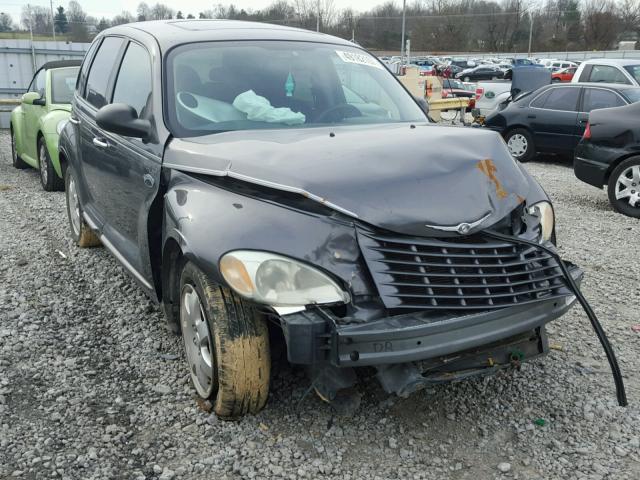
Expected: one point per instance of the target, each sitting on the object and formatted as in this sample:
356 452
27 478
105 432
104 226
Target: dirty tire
81 234
16 161
519 133
242 362
629 168
48 177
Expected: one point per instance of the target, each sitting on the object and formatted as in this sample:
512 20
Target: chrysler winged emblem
462 228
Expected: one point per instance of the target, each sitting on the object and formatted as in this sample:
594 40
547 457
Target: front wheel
520 144
81 234
48 176
226 345
624 188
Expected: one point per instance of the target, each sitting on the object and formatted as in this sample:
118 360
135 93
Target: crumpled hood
391 176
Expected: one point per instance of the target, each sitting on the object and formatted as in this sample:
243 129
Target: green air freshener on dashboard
289 85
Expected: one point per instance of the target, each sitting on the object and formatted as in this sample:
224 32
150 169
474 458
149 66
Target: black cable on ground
571 284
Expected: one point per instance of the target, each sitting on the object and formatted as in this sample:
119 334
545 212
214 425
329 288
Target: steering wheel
337 113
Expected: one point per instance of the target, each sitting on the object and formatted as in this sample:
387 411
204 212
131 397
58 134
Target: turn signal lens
235 273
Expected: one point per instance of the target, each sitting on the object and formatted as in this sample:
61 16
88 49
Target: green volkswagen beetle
37 122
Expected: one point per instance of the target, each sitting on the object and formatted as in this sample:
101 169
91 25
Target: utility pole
318 17
530 33
53 21
404 12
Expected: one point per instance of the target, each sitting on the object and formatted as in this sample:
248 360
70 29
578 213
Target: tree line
431 25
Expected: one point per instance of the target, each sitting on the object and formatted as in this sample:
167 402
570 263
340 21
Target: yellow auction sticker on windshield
359 58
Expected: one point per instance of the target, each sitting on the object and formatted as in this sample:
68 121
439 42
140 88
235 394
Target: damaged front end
446 309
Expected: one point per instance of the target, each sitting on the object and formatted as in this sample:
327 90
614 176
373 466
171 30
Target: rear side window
595 98
607 74
101 67
133 85
563 98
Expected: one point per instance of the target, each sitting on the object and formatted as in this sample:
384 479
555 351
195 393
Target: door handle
100 142
75 121
531 116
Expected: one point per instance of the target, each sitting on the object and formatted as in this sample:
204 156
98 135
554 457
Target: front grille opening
468 273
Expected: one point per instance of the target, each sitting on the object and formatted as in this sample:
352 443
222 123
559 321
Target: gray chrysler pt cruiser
269 184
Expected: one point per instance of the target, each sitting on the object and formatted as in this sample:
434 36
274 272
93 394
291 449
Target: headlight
278 281
61 125
544 212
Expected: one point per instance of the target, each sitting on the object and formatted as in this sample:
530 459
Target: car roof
612 61
169 33
60 64
614 86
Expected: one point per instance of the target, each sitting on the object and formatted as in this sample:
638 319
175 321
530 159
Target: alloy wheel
517 145
74 207
42 160
628 186
197 342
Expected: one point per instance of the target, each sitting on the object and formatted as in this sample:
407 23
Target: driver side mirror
122 119
423 104
32 98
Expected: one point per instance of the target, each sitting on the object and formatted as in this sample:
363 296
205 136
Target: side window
133 85
538 102
595 98
564 99
38 83
101 67
84 69
607 74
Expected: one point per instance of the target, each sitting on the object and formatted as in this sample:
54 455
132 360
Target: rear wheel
16 161
624 188
81 234
555 80
48 176
520 144
226 345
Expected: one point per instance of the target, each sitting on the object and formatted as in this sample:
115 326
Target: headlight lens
544 212
278 281
61 125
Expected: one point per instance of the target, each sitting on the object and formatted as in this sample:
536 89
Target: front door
30 120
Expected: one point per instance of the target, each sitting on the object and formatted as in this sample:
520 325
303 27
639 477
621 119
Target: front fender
208 221
48 126
17 126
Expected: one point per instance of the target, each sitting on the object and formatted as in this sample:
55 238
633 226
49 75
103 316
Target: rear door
552 116
594 98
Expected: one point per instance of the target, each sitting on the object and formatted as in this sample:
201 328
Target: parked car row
242 176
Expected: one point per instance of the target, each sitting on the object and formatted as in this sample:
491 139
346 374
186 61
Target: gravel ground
93 386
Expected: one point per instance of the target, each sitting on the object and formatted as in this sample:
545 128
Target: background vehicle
553 118
481 72
234 181
491 95
563 75
455 88
609 155
561 65
605 70
36 124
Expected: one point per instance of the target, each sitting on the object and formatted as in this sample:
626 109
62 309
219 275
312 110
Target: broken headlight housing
544 212
278 281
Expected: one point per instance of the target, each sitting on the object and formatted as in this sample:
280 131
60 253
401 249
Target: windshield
634 70
222 86
63 83
632 94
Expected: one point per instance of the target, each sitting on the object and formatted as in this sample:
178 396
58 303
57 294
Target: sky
109 8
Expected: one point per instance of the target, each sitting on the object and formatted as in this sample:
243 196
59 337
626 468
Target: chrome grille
457 274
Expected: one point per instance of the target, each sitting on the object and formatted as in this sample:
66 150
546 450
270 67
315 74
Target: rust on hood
489 168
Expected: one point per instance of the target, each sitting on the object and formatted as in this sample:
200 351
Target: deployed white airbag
260 109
